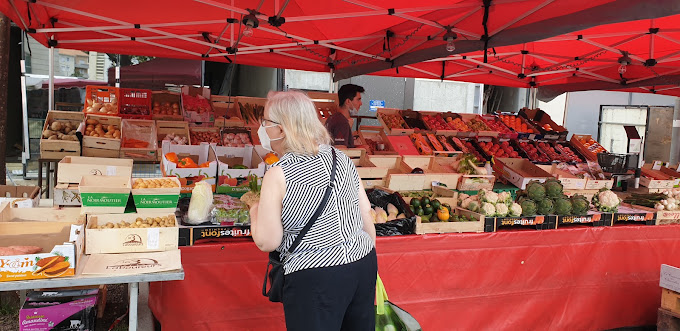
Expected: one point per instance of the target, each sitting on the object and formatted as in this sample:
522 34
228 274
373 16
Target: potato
47 133
91 122
53 138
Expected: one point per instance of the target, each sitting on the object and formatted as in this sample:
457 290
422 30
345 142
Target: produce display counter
577 278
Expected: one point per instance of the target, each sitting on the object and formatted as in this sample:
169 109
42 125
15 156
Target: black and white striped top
337 237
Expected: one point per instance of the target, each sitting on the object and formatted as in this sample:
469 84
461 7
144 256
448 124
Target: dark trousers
332 298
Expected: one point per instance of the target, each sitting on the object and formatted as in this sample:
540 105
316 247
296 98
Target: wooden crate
655 179
326 109
100 146
242 101
433 172
226 115
323 97
452 227
448 131
143 130
370 174
179 128
486 133
371 136
575 142
159 99
212 130
414 120
395 131
58 149
670 300
664 217
192 116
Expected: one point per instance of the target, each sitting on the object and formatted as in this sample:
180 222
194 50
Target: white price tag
111 171
657 165
152 238
24 203
676 123
678 169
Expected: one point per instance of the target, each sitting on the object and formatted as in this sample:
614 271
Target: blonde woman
330 276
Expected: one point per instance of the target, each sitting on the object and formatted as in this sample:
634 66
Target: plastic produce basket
612 163
135 103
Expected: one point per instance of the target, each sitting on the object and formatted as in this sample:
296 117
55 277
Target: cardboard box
156 200
129 240
235 182
226 115
540 119
189 176
20 196
539 222
655 179
634 214
101 146
56 149
374 137
58 232
670 278
519 172
595 184
569 181
66 194
59 310
104 194
193 116
71 168
403 145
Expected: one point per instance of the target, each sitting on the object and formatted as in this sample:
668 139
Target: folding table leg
132 315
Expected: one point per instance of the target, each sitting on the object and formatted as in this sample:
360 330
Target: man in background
349 97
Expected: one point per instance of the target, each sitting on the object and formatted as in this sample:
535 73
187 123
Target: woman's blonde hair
297 115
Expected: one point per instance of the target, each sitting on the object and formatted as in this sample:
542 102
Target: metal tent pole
50 104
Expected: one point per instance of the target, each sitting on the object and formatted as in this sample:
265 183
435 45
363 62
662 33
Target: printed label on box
104 199
156 201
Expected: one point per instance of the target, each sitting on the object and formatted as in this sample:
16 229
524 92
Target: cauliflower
488 196
501 210
607 201
515 210
488 209
462 197
465 203
505 197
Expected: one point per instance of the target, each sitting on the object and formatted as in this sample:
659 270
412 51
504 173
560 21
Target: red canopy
352 36
585 60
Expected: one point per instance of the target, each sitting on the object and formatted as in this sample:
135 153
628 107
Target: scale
620 164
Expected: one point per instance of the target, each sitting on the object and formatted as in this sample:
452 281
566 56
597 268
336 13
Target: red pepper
187 162
205 165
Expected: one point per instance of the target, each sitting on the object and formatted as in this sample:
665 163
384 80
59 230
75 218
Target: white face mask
352 110
264 137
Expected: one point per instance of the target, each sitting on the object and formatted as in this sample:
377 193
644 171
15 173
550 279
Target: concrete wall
435 95
40 58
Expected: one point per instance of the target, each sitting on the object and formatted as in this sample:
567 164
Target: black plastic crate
612 163
493 224
588 220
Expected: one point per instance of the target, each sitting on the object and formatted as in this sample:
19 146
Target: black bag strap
319 209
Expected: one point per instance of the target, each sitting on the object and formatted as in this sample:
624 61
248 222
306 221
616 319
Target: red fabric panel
567 279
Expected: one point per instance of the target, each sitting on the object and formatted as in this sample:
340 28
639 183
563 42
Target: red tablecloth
567 279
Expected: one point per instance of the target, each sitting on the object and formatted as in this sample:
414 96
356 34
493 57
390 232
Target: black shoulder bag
274 271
